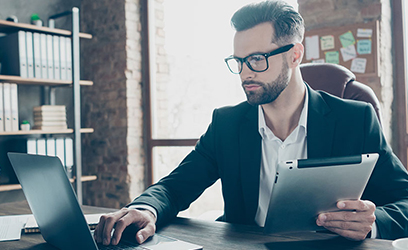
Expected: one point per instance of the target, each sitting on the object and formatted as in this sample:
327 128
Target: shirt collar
266 133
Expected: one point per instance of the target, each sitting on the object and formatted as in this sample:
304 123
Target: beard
268 91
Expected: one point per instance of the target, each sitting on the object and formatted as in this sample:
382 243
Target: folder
1 108
41 148
50 57
56 54
69 156
7 106
50 146
14 106
30 54
63 58
44 65
31 146
15 55
60 149
69 57
37 55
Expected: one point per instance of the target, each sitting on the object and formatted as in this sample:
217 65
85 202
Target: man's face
261 87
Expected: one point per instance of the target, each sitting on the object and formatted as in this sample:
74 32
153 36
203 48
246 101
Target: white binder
63 58
69 57
7 106
41 150
22 53
14 106
1 108
37 55
30 54
32 146
44 59
50 146
60 149
69 156
56 54
50 57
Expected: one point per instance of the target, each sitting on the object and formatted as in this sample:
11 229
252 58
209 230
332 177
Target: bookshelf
7 27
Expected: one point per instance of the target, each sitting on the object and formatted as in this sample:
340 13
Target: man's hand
144 220
354 222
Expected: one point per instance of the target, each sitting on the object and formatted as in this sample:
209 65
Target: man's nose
246 72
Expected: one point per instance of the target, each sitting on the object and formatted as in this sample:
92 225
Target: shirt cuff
145 207
374 232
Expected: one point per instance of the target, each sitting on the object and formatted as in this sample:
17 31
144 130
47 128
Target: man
282 119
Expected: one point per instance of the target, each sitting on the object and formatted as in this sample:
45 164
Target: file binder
1 108
69 156
56 54
37 55
63 58
14 106
15 55
50 58
44 66
69 58
7 106
41 149
30 54
60 149
50 146
31 146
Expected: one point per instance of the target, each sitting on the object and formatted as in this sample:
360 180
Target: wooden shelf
38 81
8 27
42 132
11 187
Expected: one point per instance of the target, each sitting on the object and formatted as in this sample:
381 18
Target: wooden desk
214 235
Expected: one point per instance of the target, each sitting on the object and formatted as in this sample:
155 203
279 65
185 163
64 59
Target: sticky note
358 65
364 46
312 47
327 42
347 39
348 52
332 57
364 32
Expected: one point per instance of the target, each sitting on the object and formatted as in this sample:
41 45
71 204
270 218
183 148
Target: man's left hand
354 220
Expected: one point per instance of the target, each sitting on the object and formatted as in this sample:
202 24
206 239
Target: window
188 79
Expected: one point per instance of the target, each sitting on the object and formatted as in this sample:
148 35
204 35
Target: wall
113 105
334 13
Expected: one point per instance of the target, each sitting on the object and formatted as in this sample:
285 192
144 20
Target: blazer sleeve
185 183
388 185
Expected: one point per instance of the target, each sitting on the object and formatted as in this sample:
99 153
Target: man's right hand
144 220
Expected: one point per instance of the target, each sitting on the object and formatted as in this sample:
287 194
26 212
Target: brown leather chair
339 81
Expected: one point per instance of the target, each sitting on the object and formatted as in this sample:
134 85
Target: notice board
353 46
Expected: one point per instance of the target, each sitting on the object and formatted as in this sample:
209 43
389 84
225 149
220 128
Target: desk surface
214 235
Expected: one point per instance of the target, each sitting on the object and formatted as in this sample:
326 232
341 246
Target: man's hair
287 23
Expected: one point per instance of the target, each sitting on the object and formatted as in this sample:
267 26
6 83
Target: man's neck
282 116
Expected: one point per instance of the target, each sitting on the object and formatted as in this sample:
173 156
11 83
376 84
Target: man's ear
297 54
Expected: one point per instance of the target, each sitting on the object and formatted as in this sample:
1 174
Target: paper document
10 226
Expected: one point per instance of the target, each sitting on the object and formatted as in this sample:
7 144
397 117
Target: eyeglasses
255 62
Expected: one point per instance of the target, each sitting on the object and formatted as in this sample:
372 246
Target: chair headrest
328 77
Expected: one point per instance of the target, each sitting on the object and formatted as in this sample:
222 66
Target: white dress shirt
274 150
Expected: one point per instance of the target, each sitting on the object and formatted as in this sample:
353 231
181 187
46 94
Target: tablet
305 188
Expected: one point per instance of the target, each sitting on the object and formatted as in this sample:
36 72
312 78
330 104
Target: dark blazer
231 150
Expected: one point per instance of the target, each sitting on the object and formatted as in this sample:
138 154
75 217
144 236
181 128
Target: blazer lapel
250 162
320 127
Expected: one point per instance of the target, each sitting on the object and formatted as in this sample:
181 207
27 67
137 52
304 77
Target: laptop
59 216
305 188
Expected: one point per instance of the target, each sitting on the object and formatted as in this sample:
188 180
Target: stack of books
50 117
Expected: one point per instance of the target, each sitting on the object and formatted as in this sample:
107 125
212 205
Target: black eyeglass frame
277 51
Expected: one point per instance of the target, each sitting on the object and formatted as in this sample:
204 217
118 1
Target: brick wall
113 105
334 13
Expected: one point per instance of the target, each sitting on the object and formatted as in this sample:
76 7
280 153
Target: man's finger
144 233
108 222
357 205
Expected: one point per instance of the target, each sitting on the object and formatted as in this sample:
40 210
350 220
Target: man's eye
256 58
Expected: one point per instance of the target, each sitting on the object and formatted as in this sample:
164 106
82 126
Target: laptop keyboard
121 245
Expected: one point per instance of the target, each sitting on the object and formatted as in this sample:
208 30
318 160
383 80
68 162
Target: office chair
339 81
